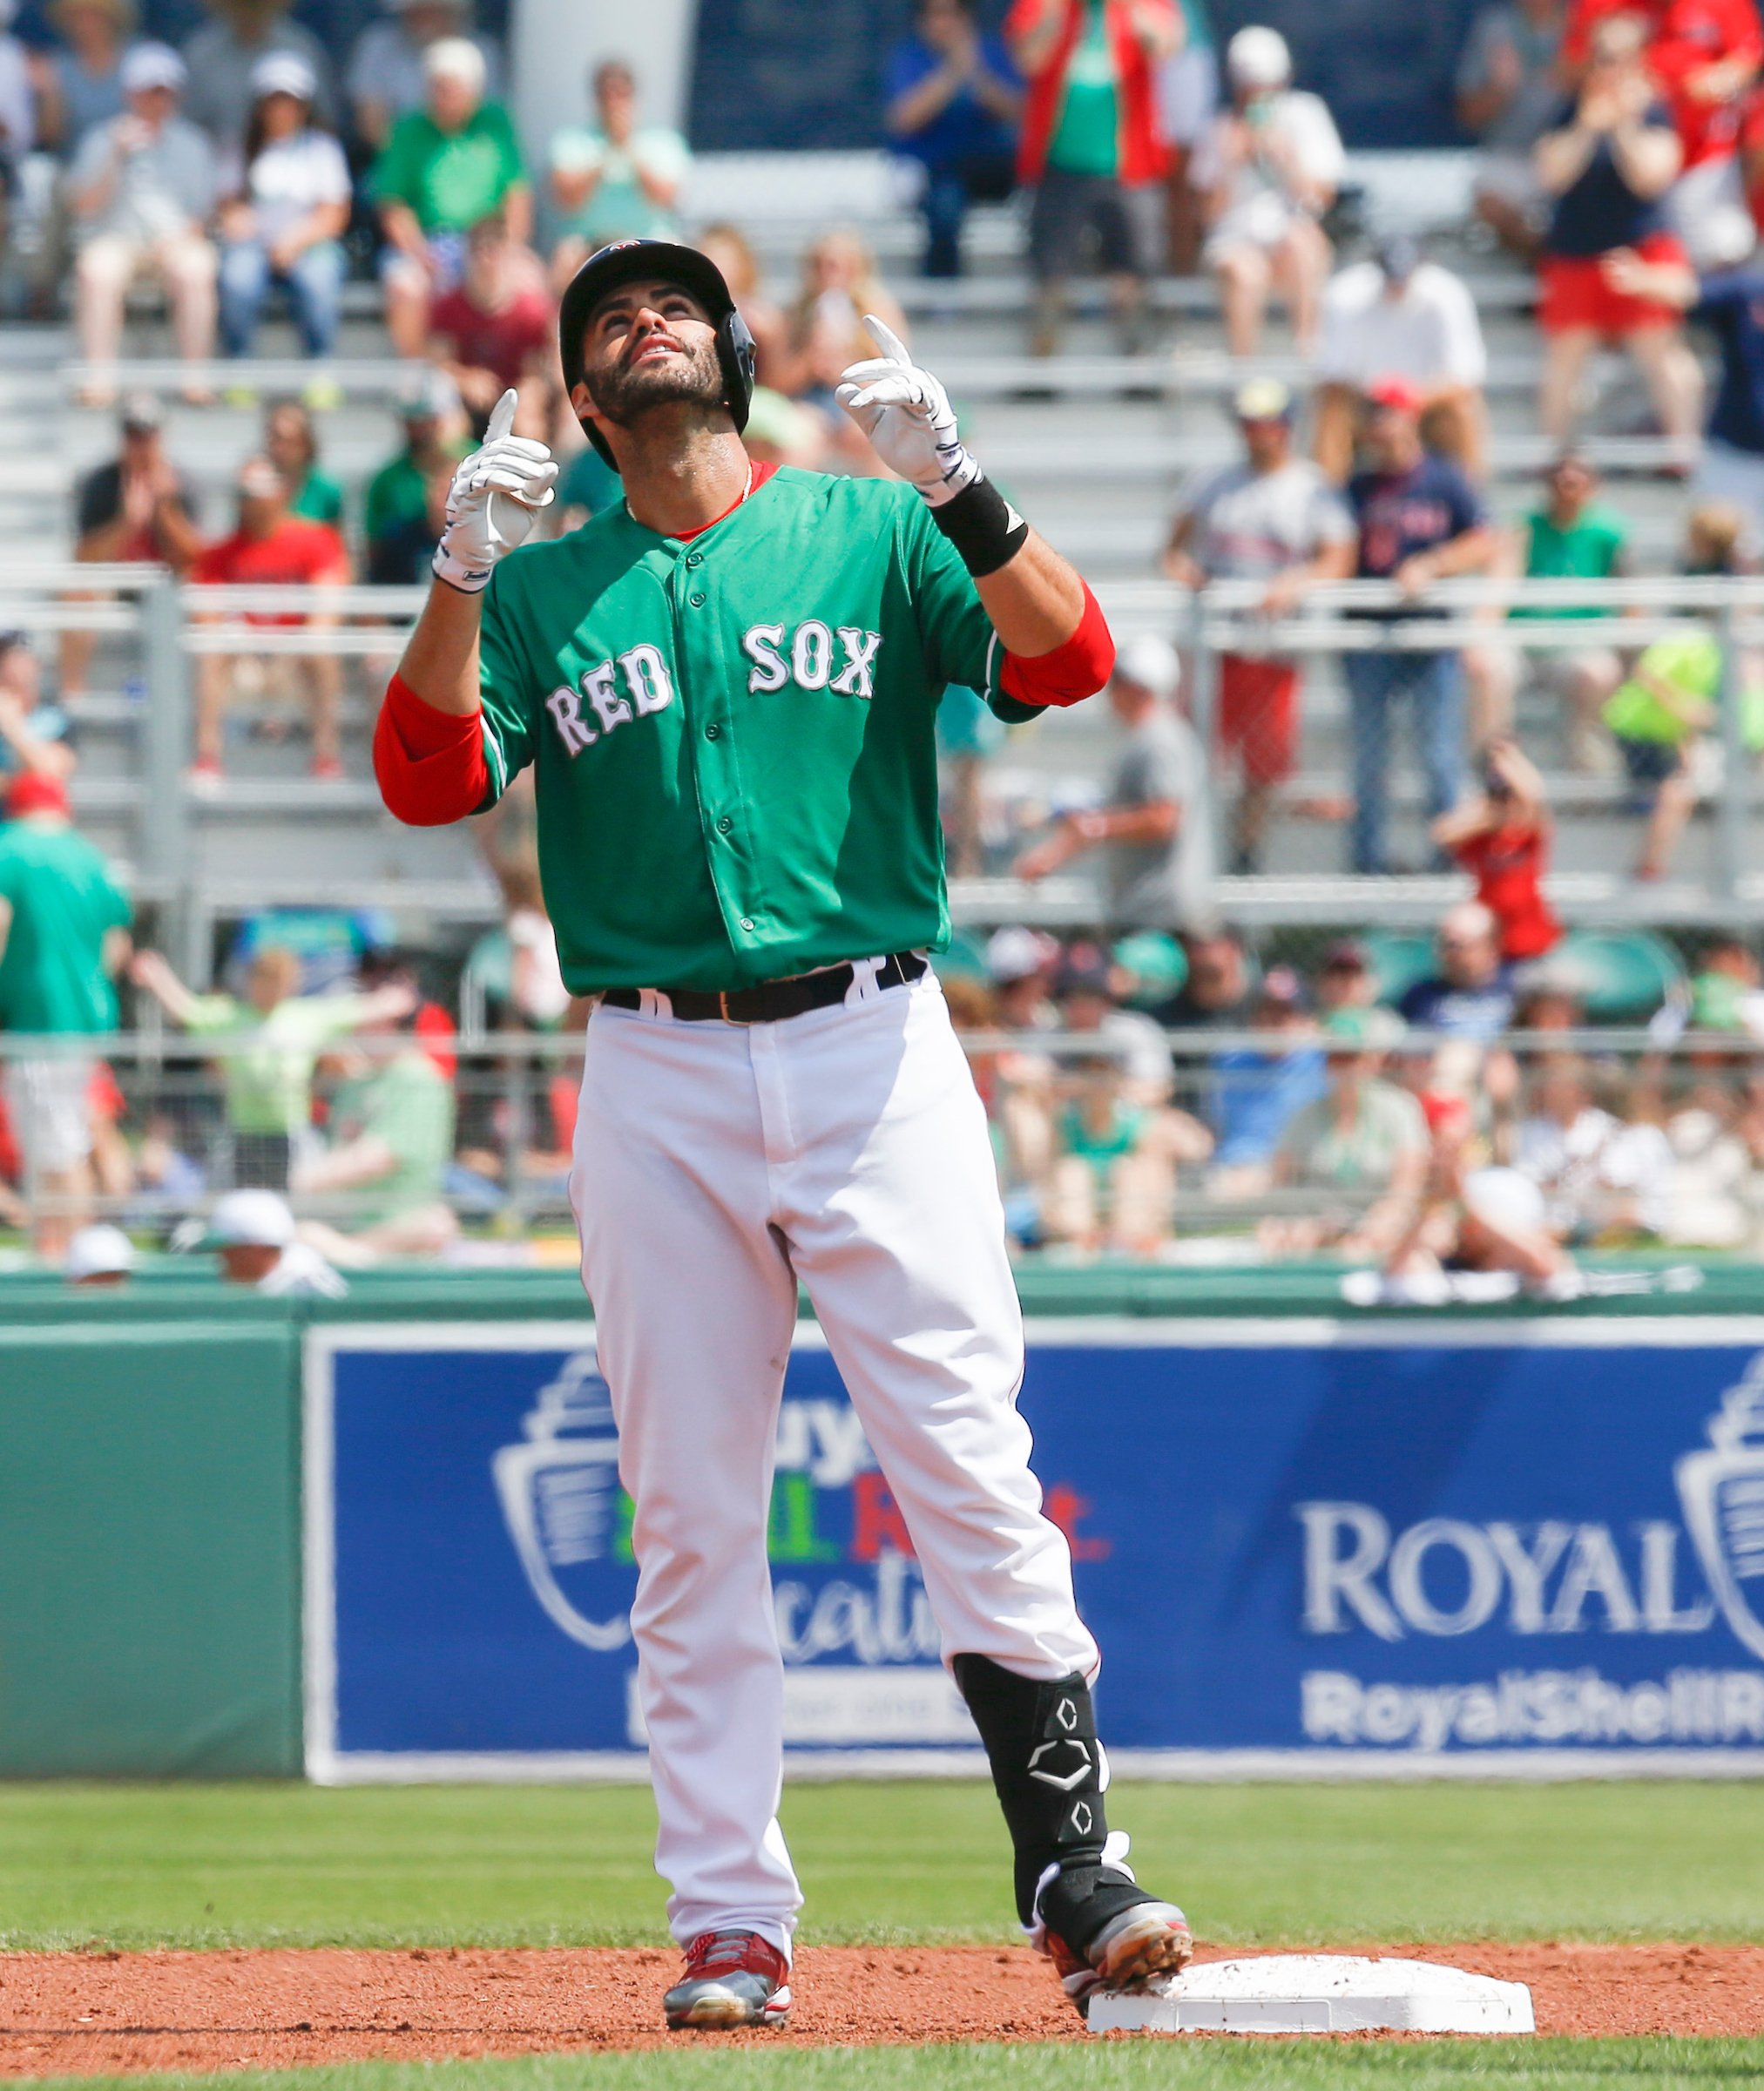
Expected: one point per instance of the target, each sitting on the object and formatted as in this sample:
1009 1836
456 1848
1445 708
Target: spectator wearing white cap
1274 518
255 1242
445 166
1268 169
385 76
223 53
1398 315
285 210
1154 825
141 188
287 204
99 1256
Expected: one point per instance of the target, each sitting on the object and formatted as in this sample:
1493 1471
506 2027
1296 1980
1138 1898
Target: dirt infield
100 2013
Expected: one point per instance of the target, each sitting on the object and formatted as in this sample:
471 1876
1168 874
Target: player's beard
622 393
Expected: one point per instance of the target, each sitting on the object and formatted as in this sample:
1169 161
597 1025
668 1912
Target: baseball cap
1258 56
1015 953
455 59
141 413
250 1219
32 792
1263 399
284 72
1396 395
1085 969
99 1252
1282 988
1150 661
1504 1198
1398 256
148 65
1158 964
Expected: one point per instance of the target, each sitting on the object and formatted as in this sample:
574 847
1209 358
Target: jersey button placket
716 773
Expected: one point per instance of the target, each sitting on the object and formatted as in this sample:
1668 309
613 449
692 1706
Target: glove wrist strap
469 579
959 471
981 525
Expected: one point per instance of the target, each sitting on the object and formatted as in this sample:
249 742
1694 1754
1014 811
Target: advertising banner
1309 1548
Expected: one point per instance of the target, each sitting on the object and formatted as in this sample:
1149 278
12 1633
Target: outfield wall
1502 1540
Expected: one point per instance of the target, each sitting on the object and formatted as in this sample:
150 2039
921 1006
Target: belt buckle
728 1015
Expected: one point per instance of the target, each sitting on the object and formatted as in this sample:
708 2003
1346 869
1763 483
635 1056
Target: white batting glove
908 417
494 501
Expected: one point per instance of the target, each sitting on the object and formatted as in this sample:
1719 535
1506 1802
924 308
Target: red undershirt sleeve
430 764
1072 671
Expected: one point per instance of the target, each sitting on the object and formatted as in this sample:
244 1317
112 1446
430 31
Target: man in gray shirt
1509 90
141 187
1155 826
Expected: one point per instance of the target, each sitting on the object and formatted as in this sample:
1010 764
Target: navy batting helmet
628 260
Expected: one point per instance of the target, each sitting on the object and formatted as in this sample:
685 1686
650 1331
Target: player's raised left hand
494 501
908 417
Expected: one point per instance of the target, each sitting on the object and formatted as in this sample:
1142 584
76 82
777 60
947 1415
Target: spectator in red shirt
1502 838
495 328
1703 56
271 548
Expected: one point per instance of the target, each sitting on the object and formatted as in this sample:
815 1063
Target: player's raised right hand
494 501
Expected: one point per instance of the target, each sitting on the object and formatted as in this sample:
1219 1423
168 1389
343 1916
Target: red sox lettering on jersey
809 664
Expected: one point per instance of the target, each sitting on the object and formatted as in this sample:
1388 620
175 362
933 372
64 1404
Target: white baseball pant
714 1166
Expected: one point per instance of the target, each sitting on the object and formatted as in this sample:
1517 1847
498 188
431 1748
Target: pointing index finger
501 416
894 349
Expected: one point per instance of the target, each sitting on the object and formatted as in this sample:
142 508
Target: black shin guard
1047 1771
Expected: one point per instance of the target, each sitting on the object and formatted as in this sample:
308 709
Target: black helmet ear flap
738 354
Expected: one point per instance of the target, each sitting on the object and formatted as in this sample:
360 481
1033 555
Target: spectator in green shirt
62 935
1673 699
614 179
278 1034
407 497
291 444
392 1125
1574 537
446 166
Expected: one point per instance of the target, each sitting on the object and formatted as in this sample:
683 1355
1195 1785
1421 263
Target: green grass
1205 2066
290 1864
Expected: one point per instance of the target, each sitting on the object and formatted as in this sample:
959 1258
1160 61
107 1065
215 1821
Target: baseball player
727 688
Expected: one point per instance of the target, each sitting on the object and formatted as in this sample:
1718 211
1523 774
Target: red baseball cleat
730 1979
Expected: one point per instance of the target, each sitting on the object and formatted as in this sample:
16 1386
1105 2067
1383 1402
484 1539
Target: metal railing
1202 1130
161 628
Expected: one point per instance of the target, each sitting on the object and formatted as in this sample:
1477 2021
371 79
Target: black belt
773 999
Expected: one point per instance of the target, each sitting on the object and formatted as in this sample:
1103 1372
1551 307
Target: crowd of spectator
1173 1098
1338 1111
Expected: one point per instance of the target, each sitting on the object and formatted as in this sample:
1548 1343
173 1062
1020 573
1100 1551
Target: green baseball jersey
733 737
